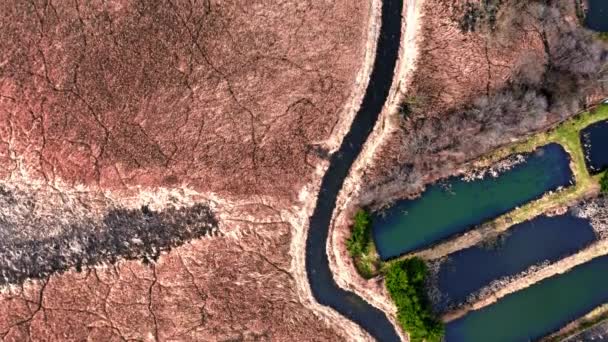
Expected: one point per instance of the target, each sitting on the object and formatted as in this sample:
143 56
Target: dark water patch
597 15
595 145
454 205
320 277
538 310
123 234
526 244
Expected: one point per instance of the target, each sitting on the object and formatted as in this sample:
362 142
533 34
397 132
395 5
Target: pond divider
458 204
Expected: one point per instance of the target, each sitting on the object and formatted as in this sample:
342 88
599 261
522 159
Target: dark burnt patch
122 234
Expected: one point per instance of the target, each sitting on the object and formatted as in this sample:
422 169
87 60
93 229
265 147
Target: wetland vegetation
542 239
395 271
534 97
360 245
406 283
604 183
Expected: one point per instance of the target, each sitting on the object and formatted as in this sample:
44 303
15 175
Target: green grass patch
361 246
405 281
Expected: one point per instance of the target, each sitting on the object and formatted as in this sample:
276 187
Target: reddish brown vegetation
234 97
230 97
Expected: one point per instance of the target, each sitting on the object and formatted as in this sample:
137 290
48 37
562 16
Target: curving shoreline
345 274
320 277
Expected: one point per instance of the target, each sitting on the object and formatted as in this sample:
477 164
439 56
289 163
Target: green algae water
455 205
537 310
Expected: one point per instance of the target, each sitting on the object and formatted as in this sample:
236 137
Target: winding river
322 284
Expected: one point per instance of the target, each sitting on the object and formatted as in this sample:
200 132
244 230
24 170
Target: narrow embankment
320 277
567 135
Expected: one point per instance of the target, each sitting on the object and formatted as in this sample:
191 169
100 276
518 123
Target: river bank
341 264
572 331
299 216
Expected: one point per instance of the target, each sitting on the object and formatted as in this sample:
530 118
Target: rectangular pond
455 205
537 310
595 144
524 245
596 15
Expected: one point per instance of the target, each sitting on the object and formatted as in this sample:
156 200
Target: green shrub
360 238
603 36
405 281
365 269
604 183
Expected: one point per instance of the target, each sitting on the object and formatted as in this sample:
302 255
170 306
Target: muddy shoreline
344 272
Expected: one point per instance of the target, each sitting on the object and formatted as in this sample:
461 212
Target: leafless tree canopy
545 86
49 242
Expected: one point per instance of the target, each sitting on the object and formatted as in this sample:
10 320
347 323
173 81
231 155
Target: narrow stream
322 284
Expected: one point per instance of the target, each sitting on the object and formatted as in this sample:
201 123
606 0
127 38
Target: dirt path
341 265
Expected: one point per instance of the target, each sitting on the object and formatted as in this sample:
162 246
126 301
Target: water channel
320 277
526 314
530 243
538 310
455 205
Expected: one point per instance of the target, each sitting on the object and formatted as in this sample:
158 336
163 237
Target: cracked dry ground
132 128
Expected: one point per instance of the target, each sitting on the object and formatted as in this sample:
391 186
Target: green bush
365 269
360 238
604 183
405 281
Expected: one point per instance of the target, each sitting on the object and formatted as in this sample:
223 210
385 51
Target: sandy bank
575 330
341 264
299 215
